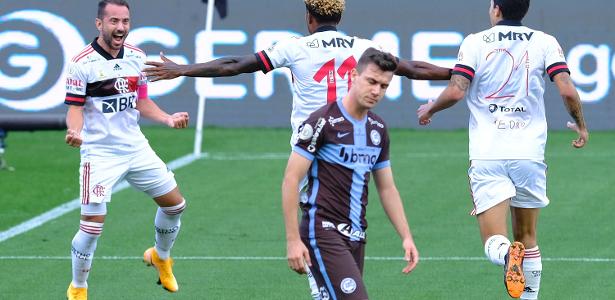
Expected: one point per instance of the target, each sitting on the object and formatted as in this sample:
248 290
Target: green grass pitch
232 241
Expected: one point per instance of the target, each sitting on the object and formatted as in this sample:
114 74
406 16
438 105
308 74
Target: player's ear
354 74
98 23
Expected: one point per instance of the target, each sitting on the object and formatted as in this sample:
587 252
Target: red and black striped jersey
109 89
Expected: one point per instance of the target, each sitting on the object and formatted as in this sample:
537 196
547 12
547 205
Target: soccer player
106 94
338 147
500 74
320 63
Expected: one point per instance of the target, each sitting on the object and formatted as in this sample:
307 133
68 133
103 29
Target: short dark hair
103 4
383 60
513 9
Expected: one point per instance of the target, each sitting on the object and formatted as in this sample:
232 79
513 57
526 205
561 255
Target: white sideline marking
76 203
284 155
265 258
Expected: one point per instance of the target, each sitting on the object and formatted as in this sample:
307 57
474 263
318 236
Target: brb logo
115 105
30 71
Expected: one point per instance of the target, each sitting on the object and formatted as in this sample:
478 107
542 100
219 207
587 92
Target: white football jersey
506 65
320 65
109 89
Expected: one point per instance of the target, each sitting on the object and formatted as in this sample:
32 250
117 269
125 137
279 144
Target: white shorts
144 170
523 181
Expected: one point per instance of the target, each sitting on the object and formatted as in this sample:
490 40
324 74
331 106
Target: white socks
82 251
532 269
496 248
167 224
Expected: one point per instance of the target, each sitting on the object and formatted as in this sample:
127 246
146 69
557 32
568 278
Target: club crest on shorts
98 190
375 136
348 285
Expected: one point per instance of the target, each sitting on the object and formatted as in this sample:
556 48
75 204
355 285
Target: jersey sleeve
383 159
555 61
466 59
142 81
76 83
310 136
279 55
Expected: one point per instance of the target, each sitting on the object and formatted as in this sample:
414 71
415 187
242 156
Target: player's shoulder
131 51
83 55
326 110
375 120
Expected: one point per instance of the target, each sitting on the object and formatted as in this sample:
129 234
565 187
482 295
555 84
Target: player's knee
526 235
175 209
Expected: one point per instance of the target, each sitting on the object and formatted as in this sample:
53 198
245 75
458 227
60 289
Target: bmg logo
118 104
357 157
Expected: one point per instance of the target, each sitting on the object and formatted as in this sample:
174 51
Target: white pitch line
268 258
284 156
76 203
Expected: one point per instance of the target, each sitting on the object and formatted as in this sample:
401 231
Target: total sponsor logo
505 109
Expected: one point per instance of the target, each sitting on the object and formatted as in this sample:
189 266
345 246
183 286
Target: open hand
167 69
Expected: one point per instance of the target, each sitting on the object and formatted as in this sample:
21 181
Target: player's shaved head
513 9
326 10
103 4
383 60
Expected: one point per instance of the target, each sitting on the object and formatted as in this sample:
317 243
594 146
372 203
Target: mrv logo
494 107
514 36
358 156
118 104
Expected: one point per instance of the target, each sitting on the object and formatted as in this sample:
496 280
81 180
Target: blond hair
326 10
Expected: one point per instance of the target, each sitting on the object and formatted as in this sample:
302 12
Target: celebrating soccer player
106 93
500 74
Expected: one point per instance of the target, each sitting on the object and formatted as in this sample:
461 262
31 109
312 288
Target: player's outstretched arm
296 252
74 125
573 104
421 70
393 207
222 67
148 109
455 91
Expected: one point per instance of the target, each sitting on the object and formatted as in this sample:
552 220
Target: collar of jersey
509 23
348 116
104 53
326 28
